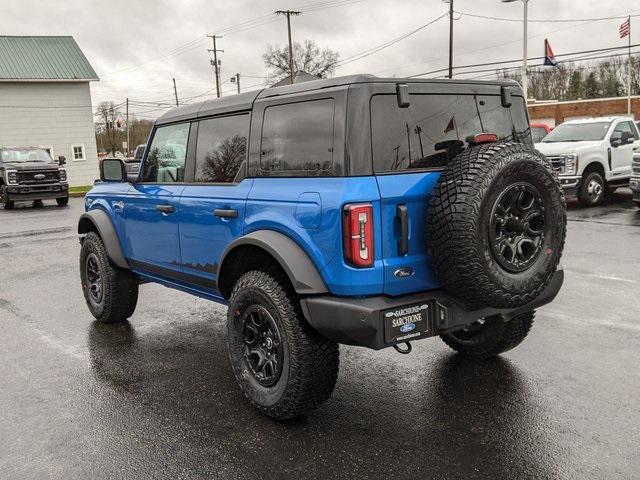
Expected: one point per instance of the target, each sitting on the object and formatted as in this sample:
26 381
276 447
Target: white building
45 101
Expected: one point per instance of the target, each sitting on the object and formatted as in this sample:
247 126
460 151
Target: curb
77 194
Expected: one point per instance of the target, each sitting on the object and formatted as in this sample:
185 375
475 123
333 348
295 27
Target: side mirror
113 170
62 160
627 138
615 142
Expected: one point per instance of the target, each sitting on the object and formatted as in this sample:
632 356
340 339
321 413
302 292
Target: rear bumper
19 193
359 321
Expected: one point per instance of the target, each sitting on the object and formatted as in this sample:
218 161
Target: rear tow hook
405 351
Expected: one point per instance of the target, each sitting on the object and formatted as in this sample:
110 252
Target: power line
387 44
596 50
548 20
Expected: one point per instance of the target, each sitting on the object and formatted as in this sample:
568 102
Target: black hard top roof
244 101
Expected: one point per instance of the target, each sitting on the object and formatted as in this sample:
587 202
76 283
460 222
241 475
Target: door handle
165 208
403 244
228 213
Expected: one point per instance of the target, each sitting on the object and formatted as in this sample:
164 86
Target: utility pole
450 2
215 61
175 92
236 79
288 13
525 81
127 120
629 71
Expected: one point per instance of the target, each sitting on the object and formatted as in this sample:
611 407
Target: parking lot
156 397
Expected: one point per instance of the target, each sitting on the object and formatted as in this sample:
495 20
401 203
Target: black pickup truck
30 174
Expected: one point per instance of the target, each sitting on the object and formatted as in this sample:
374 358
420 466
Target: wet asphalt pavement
156 398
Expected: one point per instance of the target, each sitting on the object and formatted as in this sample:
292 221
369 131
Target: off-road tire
8 204
310 362
119 286
493 337
458 225
62 201
584 196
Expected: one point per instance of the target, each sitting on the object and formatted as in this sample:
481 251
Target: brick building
554 113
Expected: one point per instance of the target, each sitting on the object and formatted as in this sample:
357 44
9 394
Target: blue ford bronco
355 210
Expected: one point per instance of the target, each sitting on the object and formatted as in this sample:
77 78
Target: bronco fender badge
404 272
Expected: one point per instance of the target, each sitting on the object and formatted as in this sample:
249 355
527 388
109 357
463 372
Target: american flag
625 28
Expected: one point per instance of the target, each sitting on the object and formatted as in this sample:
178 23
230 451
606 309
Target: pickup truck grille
38 176
557 163
635 166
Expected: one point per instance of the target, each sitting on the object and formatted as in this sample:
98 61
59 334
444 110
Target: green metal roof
43 58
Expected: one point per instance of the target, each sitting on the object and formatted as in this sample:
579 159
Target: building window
78 152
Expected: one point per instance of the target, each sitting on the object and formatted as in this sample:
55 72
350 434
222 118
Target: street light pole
450 2
525 82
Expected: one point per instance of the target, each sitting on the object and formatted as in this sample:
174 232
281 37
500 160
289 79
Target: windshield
578 132
23 155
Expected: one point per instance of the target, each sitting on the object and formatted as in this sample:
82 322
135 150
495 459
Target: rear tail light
357 227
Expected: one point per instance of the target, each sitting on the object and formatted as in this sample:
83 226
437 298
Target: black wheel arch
99 221
265 246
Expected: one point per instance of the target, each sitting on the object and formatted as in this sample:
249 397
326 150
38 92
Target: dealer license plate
406 323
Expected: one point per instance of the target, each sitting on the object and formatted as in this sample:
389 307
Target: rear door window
434 128
222 149
297 139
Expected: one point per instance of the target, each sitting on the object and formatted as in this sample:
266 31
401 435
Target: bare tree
222 164
108 114
307 58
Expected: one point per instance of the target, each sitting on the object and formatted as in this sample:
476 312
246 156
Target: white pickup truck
592 156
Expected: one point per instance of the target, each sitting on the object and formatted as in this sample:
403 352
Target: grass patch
80 189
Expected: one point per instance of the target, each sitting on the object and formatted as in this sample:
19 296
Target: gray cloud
137 46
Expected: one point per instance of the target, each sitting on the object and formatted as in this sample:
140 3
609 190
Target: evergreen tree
575 90
591 86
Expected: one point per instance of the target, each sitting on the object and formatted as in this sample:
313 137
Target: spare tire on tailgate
496 225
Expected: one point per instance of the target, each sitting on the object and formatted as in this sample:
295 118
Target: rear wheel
592 189
282 365
490 336
111 292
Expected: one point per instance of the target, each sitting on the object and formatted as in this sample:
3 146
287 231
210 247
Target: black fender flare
101 222
302 272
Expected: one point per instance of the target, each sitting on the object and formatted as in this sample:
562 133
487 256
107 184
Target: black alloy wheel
516 230
262 345
94 283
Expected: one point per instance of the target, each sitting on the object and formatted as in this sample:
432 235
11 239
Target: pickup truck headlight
12 177
571 164
63 175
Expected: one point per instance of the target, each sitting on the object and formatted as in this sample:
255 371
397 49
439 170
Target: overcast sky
138 46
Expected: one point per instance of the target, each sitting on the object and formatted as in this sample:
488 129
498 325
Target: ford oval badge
407 327
403 272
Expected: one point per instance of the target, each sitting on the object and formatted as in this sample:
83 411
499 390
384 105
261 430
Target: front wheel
62 202
283 367
592 189
111 292
8 204
490 336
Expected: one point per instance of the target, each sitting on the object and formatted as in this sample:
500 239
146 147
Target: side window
297 139
222 149
167 153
